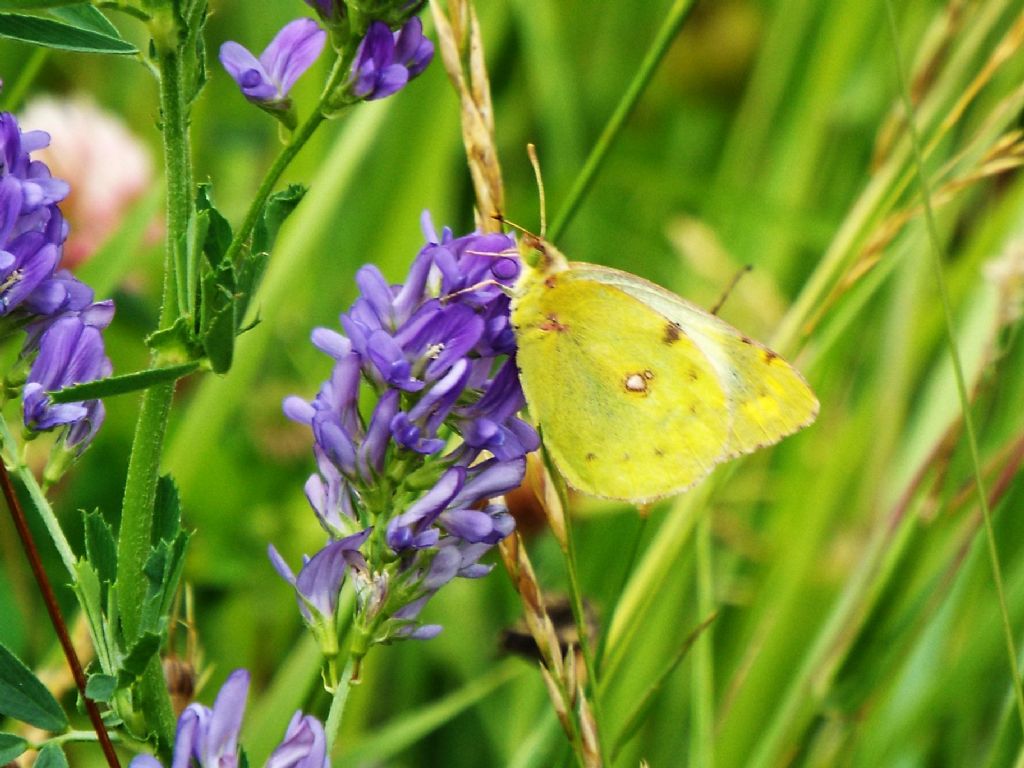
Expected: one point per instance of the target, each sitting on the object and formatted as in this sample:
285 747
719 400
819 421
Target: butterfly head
538 255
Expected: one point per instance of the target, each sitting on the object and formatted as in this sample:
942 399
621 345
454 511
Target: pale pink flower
107 167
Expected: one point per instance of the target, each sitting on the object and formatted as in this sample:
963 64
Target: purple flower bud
267 80
386 60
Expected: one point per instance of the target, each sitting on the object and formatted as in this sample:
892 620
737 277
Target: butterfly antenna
732 284
531 150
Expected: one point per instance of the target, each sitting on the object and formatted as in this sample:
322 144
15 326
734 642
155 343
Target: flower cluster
391 53
403 490
386 60
63 345
210 736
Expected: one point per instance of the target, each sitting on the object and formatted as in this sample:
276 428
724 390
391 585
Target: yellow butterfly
639 394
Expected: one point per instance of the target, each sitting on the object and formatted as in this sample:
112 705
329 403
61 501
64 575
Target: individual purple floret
304 745
208 738
386 60
413 474
266 81
56 310
70 352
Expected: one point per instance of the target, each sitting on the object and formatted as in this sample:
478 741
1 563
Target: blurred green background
858 622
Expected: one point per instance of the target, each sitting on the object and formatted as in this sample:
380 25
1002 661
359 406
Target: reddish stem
55 616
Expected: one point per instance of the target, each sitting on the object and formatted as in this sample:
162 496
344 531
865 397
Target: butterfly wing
767 397
628 410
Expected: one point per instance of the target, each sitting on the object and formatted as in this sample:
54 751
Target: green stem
39 500
954 355
291 149
576 600
133 544
341 691
673 21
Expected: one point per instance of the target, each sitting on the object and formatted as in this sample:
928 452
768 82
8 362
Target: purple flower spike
386 60
267 80
415 430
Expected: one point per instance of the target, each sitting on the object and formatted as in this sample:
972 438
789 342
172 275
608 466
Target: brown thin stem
50 599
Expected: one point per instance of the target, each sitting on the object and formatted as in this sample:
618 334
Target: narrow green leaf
85 16
28 5
51 756
100 546
218 235
24 698
249 274
167 511
135 661
279 206
101 687
164 572
10 747
176 341
219 341
397 735
121 385
55 34
643 706
89 590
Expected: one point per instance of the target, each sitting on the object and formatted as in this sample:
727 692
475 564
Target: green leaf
55 34
123 384
175 341
279 206
10 747
166 511
101 550
24 698
89 590
218 235
219 341
101 687
51 756
28 5
85 16
249 274
163 569
134 662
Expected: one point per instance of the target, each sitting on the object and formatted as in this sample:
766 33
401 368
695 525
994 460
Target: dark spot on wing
770 356
591 456
746 340
672 333
550 281
692 373
552 324
658 452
